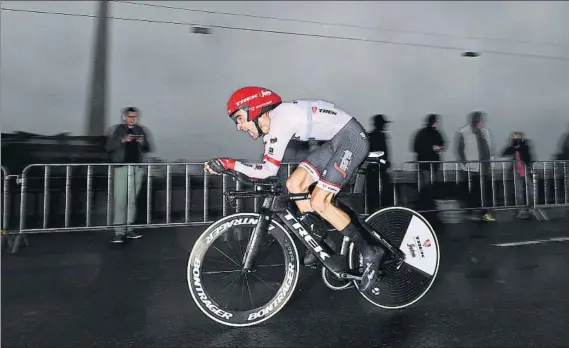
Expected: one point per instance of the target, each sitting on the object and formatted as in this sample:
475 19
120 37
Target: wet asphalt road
74 290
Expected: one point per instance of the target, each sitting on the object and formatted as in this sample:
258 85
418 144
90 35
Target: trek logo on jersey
326 111
271 150
273 140
344 163
315 109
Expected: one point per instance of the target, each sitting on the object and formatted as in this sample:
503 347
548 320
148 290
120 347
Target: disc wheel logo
375 291
427 243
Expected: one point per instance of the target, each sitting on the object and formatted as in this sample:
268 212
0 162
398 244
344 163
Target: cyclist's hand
219 165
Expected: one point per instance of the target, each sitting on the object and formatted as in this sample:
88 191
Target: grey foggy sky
182 81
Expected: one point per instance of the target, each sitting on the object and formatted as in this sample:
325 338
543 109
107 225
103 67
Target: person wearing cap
474 146
428 144
377 175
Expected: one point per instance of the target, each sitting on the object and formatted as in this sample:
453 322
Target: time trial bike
266 254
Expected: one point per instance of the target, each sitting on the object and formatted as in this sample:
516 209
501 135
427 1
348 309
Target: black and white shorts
334 163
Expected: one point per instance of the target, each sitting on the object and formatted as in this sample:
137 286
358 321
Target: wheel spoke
265 283
233 249
231 293
280 264
249 289
222 261
263 250
219 272
224 254
240 250
241 296
231 282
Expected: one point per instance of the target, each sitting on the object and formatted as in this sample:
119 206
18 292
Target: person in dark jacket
519 148
378 173
428 145
126 144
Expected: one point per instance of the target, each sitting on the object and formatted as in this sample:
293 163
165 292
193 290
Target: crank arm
349 276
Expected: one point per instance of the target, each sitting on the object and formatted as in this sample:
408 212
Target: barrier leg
539 214
16 241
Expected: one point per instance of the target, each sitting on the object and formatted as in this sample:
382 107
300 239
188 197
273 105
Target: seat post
360 178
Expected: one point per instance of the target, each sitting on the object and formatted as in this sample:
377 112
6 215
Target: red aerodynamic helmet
255 100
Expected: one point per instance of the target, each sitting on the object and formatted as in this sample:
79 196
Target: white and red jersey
302 120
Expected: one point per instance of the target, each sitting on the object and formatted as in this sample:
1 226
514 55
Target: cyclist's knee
298 183
293 185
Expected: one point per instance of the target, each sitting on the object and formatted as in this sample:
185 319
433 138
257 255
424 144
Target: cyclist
261 112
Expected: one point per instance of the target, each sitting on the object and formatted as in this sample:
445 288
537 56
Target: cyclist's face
243 125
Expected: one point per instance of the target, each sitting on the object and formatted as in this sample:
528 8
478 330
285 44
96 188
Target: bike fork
256 240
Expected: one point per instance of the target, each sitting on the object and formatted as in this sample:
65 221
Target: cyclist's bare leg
321 203
299 182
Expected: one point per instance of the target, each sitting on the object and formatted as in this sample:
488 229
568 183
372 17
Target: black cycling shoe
372 256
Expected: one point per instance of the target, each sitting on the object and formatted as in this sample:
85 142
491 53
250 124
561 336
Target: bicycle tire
425 257
256 315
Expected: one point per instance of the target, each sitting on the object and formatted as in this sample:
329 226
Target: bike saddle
375 156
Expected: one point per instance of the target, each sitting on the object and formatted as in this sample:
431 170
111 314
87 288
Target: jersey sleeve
276 142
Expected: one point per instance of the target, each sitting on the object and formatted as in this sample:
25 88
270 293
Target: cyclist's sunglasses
246 116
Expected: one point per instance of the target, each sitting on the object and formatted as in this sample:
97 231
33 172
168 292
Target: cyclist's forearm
257 171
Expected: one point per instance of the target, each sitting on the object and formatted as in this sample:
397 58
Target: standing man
126 144
474 146
428 145
379 197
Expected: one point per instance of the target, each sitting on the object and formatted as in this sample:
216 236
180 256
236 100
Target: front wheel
222 289
400 287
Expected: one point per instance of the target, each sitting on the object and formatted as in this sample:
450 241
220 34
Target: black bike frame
274 205
292 224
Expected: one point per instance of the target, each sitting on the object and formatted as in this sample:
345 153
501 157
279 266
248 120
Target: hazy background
181 81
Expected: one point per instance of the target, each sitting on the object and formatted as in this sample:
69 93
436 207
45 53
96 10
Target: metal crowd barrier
500 187
554 191
76 197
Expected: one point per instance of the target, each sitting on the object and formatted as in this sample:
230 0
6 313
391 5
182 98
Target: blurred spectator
126 143
563 154
428 145
475 146
376 172
519 148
